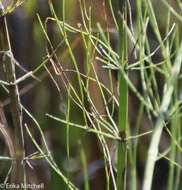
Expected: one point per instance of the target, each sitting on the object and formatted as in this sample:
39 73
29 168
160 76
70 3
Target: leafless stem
15 106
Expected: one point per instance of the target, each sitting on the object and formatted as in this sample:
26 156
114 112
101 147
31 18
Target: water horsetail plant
121 17
18 167
107 114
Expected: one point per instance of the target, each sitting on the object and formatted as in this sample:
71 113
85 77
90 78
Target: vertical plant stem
85 167
68 131
123 101
174 131
154 145
133 150
16 110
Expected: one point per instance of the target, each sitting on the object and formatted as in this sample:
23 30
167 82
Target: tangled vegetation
90 94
